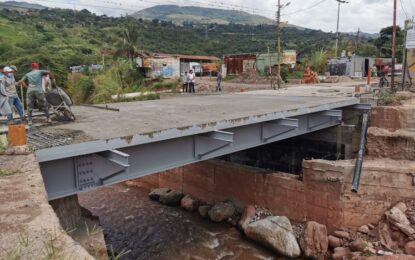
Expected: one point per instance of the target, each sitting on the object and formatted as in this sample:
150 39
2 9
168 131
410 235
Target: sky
368 15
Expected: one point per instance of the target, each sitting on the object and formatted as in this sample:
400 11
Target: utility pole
279 28
393 45
338 22
270 69
357 40
279 44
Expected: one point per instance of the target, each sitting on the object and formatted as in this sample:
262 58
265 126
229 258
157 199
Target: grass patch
118 256
166 84
9 172
295 74
387 98
230 77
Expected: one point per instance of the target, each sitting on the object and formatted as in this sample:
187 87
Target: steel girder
86 170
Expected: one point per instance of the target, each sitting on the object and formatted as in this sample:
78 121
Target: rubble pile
251 76
392 238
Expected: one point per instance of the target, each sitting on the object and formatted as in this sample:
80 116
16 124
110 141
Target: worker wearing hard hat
4 103
35 91
14 100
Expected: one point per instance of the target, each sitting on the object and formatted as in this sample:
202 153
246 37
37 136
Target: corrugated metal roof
189 57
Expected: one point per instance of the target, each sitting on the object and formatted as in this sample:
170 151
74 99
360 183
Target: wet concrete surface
206 113
131 221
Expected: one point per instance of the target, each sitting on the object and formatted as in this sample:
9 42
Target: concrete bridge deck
148 137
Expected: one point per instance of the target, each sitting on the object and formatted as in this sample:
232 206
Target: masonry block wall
322 193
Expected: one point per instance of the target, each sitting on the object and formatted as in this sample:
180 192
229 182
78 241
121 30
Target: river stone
155 194
171 198
247 216
276 233
221 211
203 210
189 204
314 241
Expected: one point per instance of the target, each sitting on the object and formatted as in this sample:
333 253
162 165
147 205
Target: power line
305 9
131 7
412 5
403 9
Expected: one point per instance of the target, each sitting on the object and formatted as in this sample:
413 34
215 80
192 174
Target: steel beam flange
324 117
211 142
363 106
116 157
278 127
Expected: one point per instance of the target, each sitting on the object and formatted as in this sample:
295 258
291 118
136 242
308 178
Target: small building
175 65
237 64
355 66
261 62
86 68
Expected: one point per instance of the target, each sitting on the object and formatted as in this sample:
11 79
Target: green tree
129 43
384 42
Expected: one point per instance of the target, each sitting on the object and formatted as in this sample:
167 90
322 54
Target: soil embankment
28 224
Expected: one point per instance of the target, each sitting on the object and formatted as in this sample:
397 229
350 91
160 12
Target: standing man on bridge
14 100
35 91
5 109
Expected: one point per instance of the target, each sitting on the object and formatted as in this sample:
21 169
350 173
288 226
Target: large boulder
189 204
275 233
314 241
171 198
247 216
156 193
221 211
397 218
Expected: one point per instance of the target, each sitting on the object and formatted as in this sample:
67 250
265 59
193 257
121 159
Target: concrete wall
167 67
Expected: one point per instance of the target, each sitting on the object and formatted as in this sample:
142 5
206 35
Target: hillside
60 38
199 15
14 5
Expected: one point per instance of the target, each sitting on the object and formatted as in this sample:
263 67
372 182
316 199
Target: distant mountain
14 5
365 35
199 15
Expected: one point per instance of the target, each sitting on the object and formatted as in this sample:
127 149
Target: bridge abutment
81 225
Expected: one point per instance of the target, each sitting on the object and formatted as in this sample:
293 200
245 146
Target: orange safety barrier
17 135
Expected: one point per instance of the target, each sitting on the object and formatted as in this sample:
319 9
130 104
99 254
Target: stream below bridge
149 230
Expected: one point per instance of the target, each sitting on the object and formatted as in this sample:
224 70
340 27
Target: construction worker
5 109
14 100
35 91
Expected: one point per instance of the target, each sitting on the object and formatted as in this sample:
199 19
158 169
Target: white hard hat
7 69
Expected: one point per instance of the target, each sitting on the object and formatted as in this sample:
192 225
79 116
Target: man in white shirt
191 81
